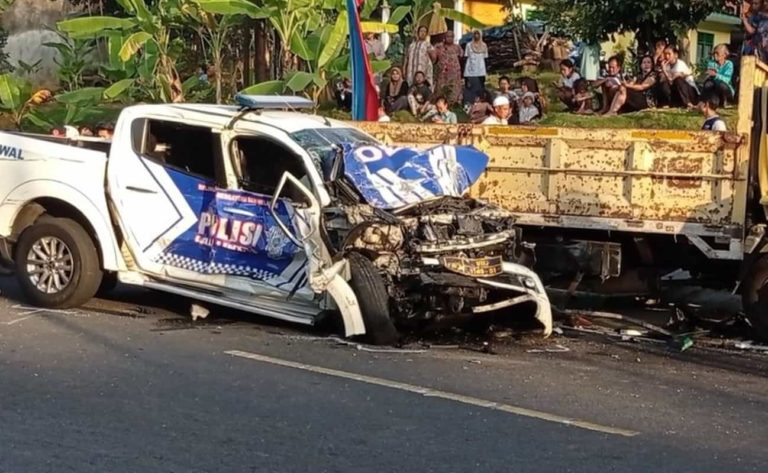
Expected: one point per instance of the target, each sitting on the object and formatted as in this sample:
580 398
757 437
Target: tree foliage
597 20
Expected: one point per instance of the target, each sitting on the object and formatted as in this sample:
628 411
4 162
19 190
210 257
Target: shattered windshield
323 144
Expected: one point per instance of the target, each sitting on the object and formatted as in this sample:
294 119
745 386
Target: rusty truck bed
688 183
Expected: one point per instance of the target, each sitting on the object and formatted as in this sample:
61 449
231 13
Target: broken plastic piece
198 312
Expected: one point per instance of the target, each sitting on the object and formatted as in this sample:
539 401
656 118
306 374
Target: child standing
708 107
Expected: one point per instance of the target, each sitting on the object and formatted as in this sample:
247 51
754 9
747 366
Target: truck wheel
754 298
372 296
57 264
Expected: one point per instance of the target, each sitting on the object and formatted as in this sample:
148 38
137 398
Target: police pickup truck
265 209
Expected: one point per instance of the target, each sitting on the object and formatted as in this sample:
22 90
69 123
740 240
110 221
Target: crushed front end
448 260
445 258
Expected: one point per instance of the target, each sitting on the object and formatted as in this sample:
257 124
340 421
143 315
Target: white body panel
47 169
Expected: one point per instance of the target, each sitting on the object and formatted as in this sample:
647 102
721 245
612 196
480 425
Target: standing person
239 75
590 61
611 83
501 112
374 46
448 74
395 96
419 57
752 15
677 86
565 89
708 108
720 75
476 53
638 94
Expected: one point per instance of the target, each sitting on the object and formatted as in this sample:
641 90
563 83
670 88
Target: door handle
140 189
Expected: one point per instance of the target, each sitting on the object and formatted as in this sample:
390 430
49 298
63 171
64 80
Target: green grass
664 119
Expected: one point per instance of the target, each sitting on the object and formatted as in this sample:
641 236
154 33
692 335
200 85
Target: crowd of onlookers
436 79
103 130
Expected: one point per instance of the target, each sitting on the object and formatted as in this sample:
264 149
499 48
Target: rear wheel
754 297
373 298
57 264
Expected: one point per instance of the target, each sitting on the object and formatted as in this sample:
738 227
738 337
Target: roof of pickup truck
219 116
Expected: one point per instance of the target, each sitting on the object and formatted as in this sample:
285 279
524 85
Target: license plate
473 267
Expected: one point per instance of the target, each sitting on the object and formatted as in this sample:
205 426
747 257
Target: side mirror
313 211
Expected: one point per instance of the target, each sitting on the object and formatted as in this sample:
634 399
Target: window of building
704 45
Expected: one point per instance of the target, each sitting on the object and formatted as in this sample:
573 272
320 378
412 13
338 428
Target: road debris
555 349
198 312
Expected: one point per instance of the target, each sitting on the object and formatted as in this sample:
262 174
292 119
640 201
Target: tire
373 298
80 264
754 298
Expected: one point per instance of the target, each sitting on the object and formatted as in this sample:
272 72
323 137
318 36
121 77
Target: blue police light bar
273 102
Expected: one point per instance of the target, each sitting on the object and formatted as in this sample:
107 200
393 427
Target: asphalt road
132 385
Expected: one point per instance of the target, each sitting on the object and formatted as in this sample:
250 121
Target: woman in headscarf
474 71
395 95
448 74
419 57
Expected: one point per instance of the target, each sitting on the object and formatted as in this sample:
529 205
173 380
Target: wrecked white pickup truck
278 213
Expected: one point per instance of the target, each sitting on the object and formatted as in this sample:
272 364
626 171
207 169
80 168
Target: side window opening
186 148
261 162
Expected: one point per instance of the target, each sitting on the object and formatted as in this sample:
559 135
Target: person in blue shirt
720 75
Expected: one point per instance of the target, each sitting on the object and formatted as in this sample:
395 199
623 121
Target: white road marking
429 392
31 314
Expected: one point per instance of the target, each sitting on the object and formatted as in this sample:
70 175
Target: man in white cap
500 112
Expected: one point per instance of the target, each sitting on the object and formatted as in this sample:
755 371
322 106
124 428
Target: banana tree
72 60
214 21
324 54
80 106
432 14
18 99
148 34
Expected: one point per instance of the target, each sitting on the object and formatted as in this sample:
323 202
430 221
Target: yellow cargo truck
615 211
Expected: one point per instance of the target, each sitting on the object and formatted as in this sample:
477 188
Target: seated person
565 89
676 86
441 113
501 112
418 96
529 84
505 89
720 75
610 83
528 112
583 97
395 97
481 109
636 95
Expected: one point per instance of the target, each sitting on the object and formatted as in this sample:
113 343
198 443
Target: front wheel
373 298
754 297
57 264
